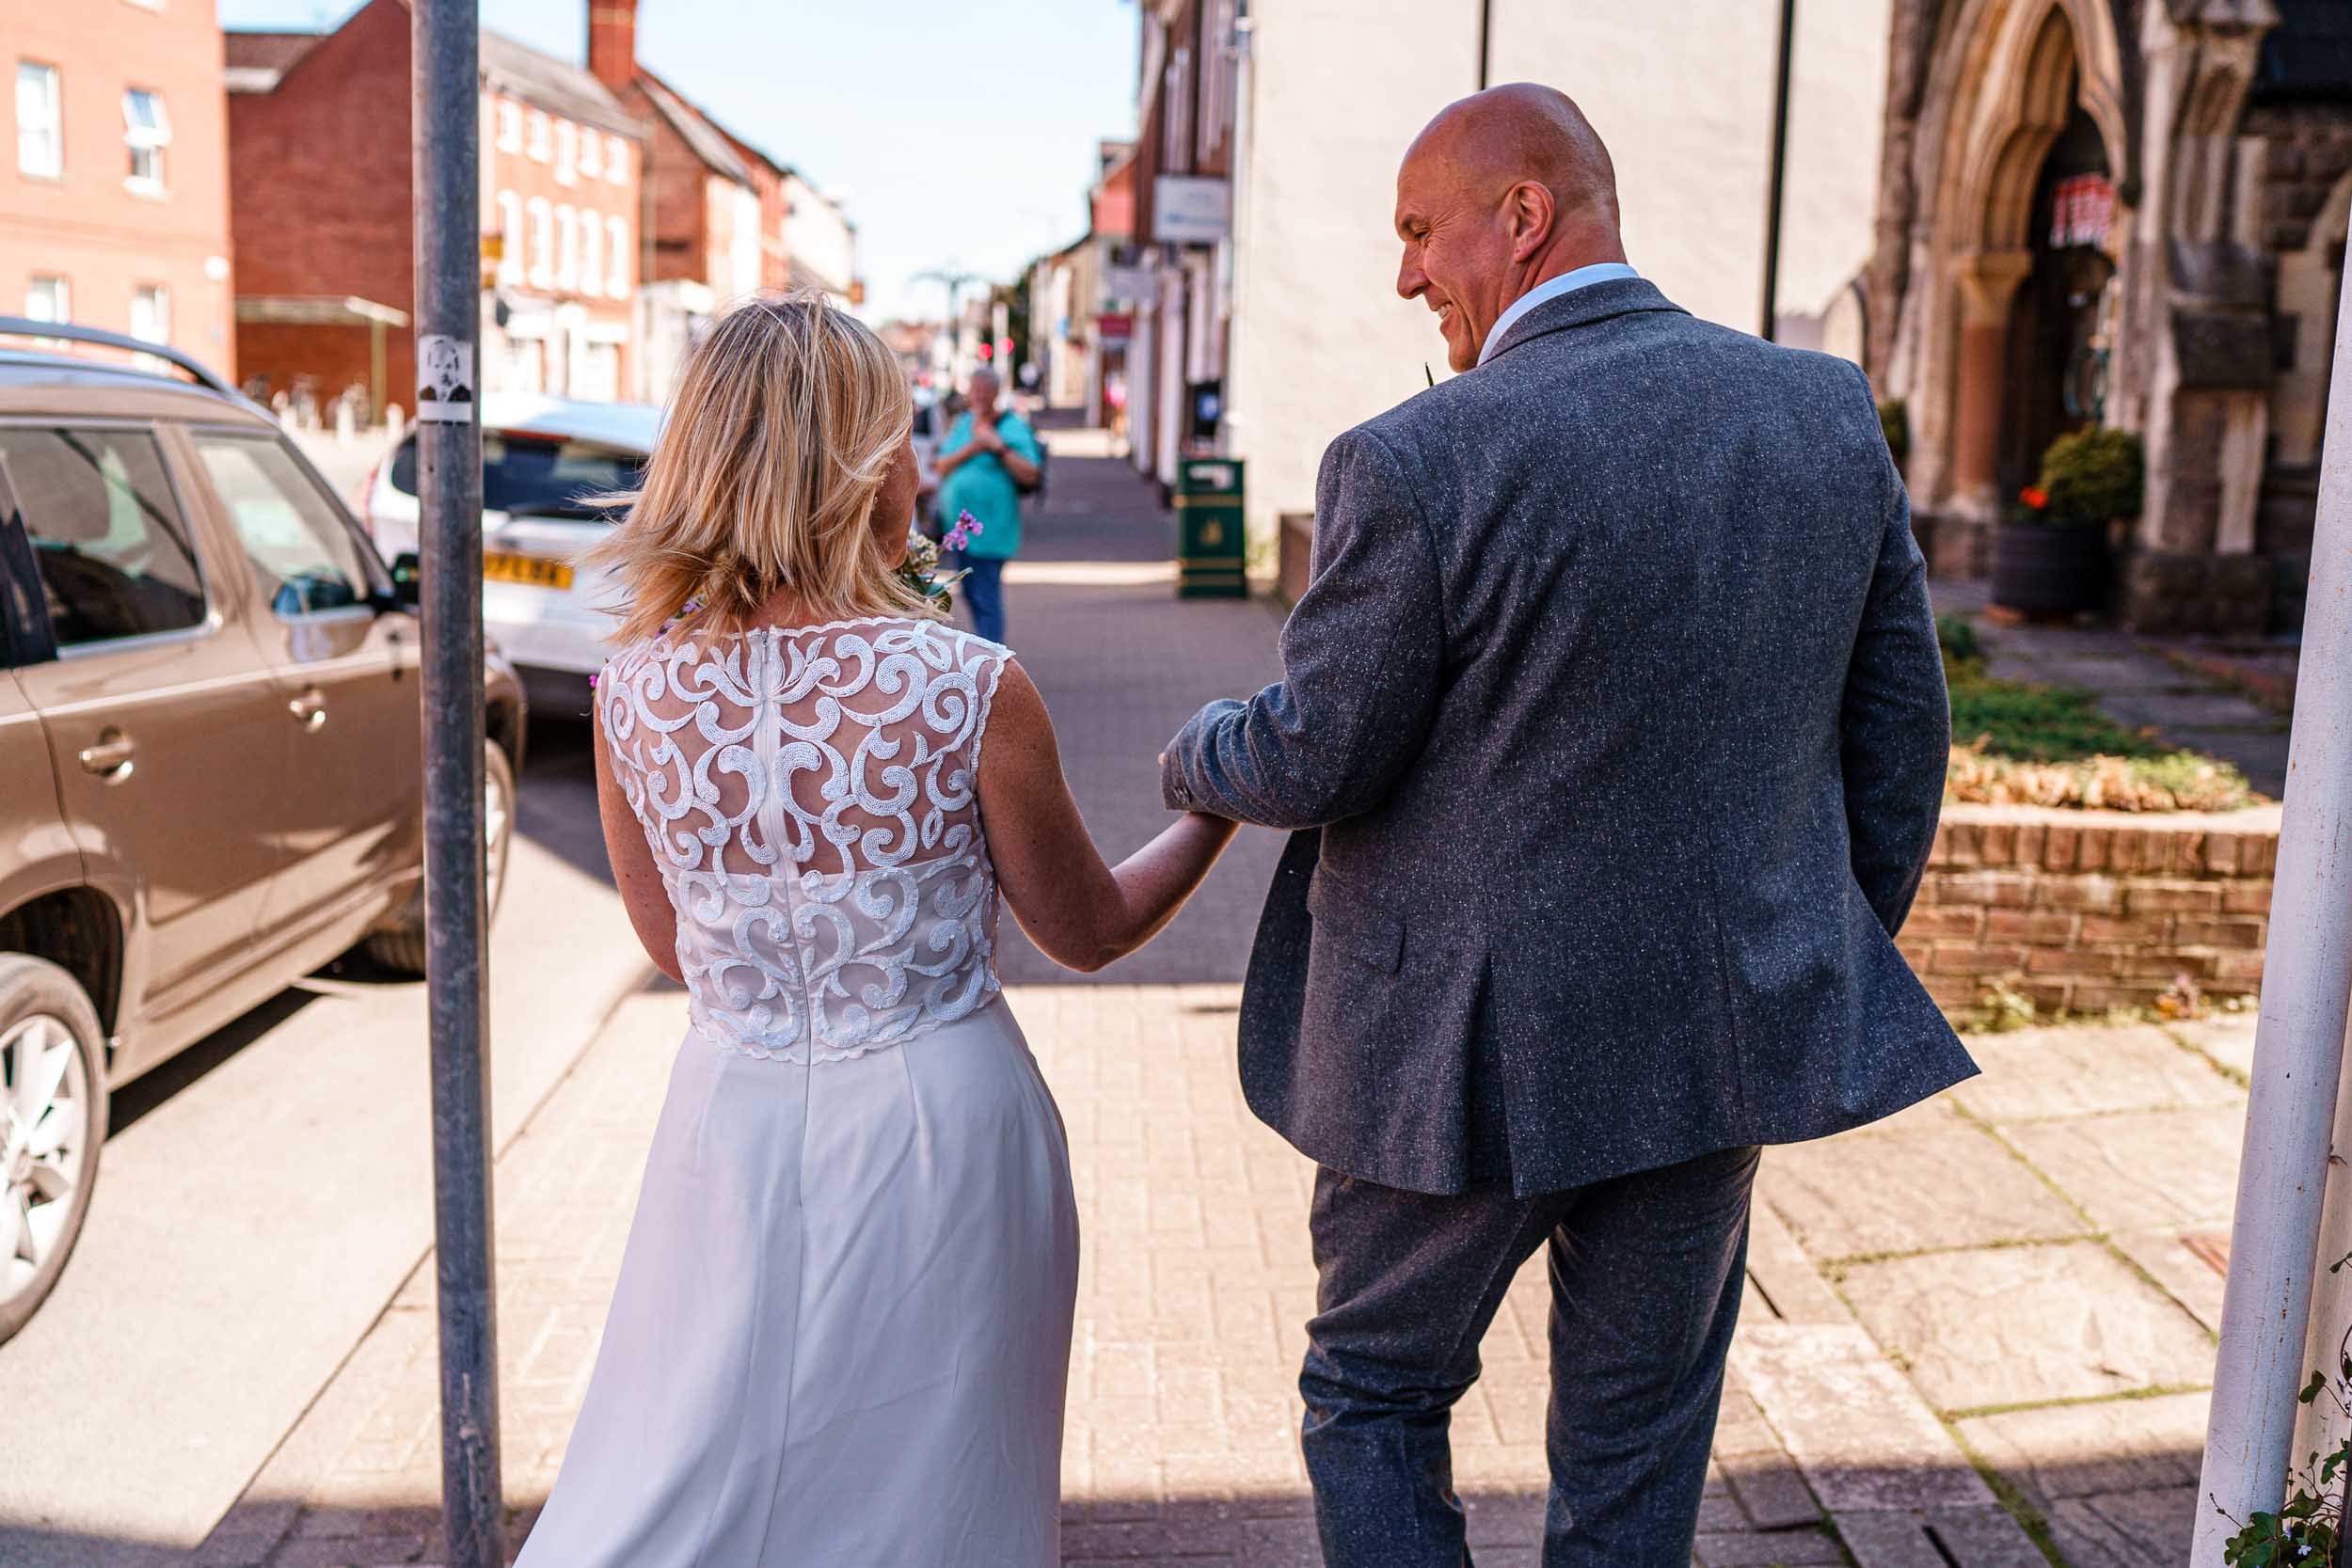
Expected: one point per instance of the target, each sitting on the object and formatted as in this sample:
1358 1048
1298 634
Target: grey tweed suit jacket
1615 727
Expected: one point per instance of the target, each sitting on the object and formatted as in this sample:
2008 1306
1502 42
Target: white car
540 457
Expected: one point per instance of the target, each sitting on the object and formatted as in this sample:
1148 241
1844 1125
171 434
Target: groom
1616 703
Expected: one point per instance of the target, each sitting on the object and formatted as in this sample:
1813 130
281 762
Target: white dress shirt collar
1551 289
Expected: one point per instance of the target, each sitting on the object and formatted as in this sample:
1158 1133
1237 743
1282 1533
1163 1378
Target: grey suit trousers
1646 1279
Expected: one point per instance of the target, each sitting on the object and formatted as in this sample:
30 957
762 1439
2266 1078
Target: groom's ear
1529 208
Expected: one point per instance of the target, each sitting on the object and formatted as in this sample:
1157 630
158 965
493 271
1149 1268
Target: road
263 1195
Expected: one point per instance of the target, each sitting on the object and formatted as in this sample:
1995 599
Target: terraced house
320 143
115 211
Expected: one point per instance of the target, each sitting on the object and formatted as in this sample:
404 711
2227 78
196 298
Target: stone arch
2005 77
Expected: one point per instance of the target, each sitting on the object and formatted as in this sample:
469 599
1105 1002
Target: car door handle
310 710
111 758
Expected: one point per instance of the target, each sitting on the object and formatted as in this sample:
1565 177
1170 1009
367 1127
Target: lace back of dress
811 796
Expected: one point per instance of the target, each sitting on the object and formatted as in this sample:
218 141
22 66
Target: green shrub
1956 636
2092 476
1895 424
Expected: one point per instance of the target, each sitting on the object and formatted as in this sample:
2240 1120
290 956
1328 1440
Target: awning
317 310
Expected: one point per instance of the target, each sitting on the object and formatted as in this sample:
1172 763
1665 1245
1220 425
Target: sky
960 134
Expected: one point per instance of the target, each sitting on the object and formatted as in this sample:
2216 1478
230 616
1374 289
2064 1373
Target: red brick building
724 214
320 142
115 213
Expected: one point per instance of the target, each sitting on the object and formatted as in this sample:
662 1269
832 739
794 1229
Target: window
615 161
591 155
150 313
510 238
106 534
147 131
296 539
538 136
566 152
510 126
544 476
542 243
616 257
49 299
566 248
39 121
591 255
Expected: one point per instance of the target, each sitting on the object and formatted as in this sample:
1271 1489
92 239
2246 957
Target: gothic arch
2006 75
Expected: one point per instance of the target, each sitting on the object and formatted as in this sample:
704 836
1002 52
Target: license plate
528 570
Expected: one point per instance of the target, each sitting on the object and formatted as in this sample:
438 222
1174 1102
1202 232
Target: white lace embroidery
811 798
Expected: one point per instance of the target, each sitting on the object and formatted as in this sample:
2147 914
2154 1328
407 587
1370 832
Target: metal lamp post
446 42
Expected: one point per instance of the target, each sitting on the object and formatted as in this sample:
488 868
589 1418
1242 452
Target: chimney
613 42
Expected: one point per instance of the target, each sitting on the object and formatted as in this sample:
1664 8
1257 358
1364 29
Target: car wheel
401 945
53 1122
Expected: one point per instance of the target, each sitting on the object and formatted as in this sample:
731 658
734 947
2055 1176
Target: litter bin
1209 536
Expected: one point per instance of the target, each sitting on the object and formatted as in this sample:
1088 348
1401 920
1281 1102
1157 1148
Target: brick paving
2025 1237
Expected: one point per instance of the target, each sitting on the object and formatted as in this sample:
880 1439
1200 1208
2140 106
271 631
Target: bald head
1500 192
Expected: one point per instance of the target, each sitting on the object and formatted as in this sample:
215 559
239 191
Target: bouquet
920 570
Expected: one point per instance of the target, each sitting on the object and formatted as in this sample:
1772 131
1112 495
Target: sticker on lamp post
444 379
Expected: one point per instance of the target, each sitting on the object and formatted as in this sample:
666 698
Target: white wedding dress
841 1334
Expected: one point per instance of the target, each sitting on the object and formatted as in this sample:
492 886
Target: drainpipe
2298 1047
1237 162
1773 201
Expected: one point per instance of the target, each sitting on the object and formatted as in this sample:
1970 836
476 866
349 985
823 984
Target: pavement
264 1194
1977 1336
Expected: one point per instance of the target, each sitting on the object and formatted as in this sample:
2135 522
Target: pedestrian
990 459
1614 732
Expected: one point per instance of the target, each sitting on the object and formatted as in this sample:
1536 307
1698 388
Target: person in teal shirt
989 457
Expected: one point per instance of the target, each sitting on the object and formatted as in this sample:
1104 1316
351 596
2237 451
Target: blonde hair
785 423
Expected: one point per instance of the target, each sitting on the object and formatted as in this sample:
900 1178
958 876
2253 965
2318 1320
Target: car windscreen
544 476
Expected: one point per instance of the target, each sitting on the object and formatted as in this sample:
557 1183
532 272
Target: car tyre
52 1125
401 944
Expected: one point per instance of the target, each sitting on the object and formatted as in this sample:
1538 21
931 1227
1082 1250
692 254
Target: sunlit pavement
1985 1322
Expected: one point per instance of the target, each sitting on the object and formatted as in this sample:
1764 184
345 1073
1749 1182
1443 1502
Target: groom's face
1457 249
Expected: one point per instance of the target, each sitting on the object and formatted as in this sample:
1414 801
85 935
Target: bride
841 1333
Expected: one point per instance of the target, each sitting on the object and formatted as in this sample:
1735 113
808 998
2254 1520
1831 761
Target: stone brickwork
2308 149
2087 911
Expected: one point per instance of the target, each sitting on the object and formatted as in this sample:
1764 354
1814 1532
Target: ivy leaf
2310 1389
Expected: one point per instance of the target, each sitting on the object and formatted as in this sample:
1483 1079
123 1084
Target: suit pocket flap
1351 921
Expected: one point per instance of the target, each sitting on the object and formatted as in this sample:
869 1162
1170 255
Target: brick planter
2087 910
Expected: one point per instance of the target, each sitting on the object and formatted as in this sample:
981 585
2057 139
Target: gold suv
211 775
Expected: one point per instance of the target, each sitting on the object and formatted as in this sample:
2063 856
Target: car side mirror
407 575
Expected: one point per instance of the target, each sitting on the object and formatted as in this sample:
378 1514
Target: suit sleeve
1361 655
1895 725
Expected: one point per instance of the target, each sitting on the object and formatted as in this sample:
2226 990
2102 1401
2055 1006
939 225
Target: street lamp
956 282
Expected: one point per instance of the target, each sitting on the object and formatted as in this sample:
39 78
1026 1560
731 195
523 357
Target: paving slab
1853 1198
2086 1450
1783 1280
1863 1439
2025 1324
2087 1069
2128 1530
2227 1039
2104 672
1797 1548
1945 1538
2150 1170
2175 711
2174 1262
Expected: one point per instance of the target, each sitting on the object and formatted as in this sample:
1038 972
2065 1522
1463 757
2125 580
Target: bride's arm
1081 912
634 871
